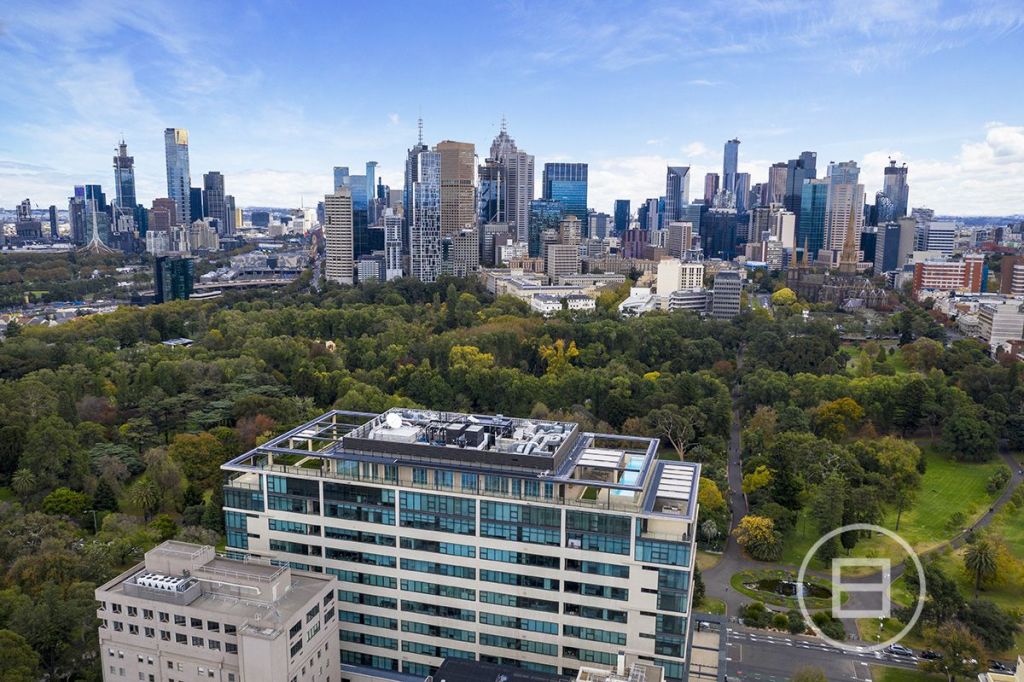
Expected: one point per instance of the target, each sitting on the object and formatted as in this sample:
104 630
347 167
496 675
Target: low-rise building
1000 322
546 304
961 276
580 302
187 614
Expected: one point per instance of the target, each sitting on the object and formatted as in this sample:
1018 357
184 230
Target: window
196 623
444 479
165 635
213 644
519 602
419 476
180 638
179 620
147 614
230 648
118 626
469 482
229 629
449 548
197 641
133 629
132 612
213 626
165 617
521 558
115 607
149 632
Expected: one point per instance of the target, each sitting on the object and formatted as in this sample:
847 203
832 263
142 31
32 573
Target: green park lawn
946 487
711 605
882 673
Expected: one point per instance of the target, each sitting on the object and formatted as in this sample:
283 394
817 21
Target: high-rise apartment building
844 211
458 200
186 613
196 210
214 202
730 165
776 222
340 263
518 183
567 183
412 159
680 238
179 178
479 537
76 216
797 171
742 192
425 220
173 279
392 244
895 187
54 234
124 179
233 215
622 215
677 191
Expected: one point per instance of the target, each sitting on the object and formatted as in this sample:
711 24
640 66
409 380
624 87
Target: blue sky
275 94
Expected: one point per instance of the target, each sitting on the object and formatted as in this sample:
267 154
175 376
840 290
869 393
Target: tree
961 652
105 499
145 495
52 454
757 535
784 297
559 356
835 419
758 478
199 456
24 483
709 496
709 530
827 510
66 501
981 562
995 627
969 439
678 426
18 661
898 463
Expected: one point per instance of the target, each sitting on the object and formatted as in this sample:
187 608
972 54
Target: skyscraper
777 174
173 279
392 244
710 188
677 191
76 215
490 199
196 210
810 228
425 221
340 265
567 183
179 179
412 159
742 192
214 201
518 170
233 221
371 192
54 234
458 210
622 215
730 165
845 199
545 214
124 179
895 187
798 170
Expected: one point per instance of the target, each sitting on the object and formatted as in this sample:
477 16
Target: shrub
999 479
780 622
830 626
755 615
956 521
795 622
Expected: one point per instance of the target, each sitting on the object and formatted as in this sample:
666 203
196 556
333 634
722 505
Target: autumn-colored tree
559 356
757 535
758 478
835 419
709 496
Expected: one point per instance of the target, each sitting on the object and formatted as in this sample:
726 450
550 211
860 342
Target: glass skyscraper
124 179
677 191
622 214
811 228
425 221
179 179
730 164
567 183
545 214
798 170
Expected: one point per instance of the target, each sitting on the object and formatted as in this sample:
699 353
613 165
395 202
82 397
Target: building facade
966 276
728 288
458 193
511 541
124 179
425 219
567 183
677 191
186 614
518 189
339 265
179 178
215 201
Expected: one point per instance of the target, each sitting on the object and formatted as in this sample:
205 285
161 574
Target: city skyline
278 145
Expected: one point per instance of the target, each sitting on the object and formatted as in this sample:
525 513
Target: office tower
597 224
718 233
742 192
1011 276
412 172
23 211
544 215
366 241
214 200
458 202
371 192
230 212
54 234
517 174
937 236
777 177
340 173
392 244
730 165
196 210
163 215
567 183
758 195
338 234
425 218
478 536
810 228
677 191
490 193
728 287
895 187
173 279
76 215
649 220
218 618
797 171
460 252
844 211
884 210
490 235
26 228
622 215
179 179
676 275
680 238
710 188
869 243
124 179
775 222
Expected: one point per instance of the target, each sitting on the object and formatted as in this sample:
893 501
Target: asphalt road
758 656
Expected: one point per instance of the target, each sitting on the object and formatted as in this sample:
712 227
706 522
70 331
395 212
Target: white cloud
695 150
393 119
703 82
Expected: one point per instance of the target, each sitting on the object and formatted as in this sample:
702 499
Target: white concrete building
675 275
339 265
1001 322
546 304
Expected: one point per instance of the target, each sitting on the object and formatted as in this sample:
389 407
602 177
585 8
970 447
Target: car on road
930 655
998 667
899 650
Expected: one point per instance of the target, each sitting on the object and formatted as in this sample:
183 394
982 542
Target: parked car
930 655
